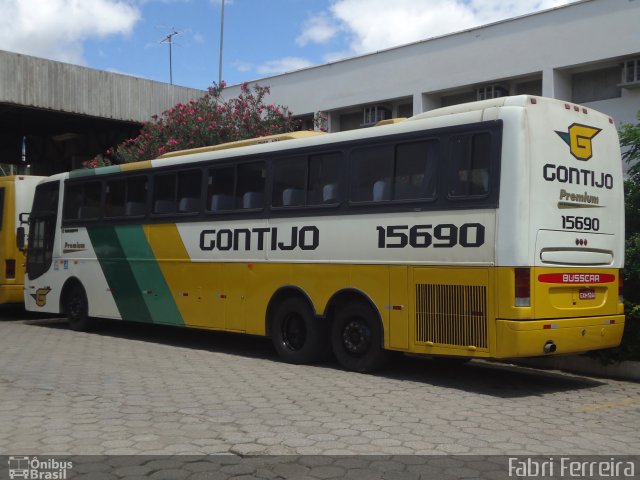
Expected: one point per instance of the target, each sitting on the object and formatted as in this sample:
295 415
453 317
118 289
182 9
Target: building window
304 122
631 72
458 98
491 91
375 113
533 87
595 85
405 110
350 121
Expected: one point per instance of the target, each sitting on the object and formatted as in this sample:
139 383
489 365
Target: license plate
587 294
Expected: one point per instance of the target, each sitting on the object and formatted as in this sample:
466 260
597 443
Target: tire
297 335
77 309
357 339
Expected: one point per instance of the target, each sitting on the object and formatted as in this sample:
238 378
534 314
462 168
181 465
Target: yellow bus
16 196
491 230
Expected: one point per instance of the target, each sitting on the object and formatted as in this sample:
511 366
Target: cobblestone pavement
134 389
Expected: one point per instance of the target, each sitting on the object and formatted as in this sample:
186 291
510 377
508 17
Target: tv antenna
169 39
221 42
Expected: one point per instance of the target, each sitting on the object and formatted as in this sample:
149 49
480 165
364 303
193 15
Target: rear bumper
11 294
570 335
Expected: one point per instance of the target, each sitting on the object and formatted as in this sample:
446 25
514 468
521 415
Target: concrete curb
629 370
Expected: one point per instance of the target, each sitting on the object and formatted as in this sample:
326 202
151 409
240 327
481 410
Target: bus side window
416 171
250 188
164 193
371 173
324 179
136 203
115 198
289 182
82 201
90 207
189 184
72 202
469 162
220 189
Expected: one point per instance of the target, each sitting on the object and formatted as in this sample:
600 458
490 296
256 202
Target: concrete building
66 114
587 52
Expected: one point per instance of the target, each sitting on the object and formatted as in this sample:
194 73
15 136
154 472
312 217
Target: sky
262 38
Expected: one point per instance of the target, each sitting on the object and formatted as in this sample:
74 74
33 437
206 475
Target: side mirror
20 239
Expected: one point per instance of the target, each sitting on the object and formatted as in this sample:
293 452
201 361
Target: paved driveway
135 389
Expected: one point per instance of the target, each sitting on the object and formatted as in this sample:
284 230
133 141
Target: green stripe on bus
120 278
145 268
87 172
82 172
109 169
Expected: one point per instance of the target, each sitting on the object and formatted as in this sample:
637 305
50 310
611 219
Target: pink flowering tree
209 120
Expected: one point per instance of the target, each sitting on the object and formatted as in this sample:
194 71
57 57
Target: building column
556 84
423 102
333 121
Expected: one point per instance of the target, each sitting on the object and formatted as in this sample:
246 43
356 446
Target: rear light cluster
522 287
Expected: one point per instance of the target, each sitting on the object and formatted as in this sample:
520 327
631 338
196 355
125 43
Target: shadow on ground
497 379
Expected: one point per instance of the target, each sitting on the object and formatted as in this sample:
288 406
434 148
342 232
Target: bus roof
245 143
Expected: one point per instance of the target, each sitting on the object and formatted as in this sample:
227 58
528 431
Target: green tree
630 347
630 142
208 120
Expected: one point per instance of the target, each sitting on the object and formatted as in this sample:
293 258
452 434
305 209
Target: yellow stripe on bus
126 167
198 288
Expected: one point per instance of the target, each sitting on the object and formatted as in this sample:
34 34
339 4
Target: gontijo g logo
579 140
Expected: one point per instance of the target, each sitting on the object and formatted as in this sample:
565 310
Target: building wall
541 51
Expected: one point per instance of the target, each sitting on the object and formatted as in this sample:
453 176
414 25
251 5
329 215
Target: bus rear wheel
77 308
298 336
356 338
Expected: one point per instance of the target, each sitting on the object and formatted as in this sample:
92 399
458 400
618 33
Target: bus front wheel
356 338
77 308
298 336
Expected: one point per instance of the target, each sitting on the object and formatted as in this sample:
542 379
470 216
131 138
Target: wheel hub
356 337
294 333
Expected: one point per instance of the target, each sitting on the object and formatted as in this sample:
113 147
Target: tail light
620 287
523 287
10 269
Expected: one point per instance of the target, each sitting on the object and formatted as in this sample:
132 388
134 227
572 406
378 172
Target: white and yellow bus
491 229
16 197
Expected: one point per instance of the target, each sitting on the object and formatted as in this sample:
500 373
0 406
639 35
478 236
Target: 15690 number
588 224
446 235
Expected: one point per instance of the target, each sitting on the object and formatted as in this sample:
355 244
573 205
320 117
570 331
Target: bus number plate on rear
587 294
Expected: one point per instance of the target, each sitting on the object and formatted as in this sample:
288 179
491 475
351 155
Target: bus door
7 238
43 219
